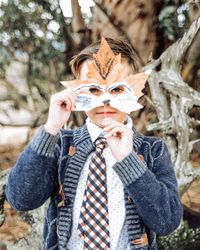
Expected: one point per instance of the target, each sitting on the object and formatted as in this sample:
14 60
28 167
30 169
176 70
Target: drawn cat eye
95 91
117 90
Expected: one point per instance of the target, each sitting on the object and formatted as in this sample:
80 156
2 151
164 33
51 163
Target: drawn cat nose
106 101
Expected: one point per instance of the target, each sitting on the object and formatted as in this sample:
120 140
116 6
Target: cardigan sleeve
155 191
33 179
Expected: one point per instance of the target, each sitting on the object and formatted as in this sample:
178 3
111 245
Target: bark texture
132 20
177 99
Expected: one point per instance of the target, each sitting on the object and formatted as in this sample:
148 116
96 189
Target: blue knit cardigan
150 189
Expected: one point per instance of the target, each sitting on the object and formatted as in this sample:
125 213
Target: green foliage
173 19
33 29
184 238
4 61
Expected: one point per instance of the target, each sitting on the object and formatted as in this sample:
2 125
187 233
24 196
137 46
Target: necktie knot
101 143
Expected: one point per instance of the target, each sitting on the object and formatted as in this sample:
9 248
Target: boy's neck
95 130
125 122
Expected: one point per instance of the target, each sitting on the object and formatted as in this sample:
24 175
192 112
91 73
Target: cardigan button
72 151
143 240
141 157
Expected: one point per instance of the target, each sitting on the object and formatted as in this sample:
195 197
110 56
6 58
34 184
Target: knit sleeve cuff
130 168
43 143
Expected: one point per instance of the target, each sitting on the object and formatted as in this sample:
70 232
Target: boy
110 186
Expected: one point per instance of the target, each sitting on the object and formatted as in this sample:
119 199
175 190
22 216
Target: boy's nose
106 101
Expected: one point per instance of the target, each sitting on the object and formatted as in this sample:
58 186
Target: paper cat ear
137 82
103 62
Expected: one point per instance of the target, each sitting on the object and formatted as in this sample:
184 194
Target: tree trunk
133 20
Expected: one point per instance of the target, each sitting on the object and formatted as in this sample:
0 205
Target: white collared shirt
116 203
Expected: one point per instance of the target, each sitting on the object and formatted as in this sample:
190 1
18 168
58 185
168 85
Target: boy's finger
68 103
114 132
109 122
69 93
111 126
73 94
61 96
73 106
72 99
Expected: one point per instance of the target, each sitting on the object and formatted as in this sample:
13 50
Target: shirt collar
94 130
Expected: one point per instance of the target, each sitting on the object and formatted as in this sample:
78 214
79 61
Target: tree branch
177 98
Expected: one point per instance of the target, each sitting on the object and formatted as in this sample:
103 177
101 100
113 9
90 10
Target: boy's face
98 114
107 86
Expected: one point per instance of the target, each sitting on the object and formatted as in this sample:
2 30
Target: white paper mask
108 83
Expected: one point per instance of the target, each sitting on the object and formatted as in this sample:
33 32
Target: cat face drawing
107 83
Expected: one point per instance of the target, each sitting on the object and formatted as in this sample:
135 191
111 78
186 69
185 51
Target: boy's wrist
51 129
121 157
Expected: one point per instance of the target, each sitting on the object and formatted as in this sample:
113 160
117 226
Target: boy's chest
72 154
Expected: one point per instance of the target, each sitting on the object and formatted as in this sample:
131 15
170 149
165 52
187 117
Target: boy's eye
95 91
117 90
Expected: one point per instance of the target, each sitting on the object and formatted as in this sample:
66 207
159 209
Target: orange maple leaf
103 63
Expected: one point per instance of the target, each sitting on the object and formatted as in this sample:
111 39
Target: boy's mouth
106 113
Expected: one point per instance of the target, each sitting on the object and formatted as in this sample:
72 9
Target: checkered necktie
93 225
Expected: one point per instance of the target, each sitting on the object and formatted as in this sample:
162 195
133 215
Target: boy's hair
117 46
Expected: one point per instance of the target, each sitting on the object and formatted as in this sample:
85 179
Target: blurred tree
150 26
33 34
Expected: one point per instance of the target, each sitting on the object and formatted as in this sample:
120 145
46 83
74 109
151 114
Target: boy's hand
119 138
61 105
